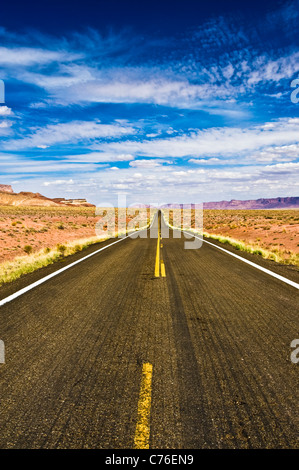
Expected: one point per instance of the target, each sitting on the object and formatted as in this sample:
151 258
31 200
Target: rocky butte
26 198
6 188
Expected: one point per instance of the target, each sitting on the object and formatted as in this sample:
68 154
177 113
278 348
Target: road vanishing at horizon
146 344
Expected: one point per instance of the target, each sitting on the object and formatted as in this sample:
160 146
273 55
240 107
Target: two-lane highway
148 344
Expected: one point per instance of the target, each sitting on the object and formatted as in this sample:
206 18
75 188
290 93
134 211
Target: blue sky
182 101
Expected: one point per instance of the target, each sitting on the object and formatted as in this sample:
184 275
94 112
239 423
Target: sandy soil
44 227
269 228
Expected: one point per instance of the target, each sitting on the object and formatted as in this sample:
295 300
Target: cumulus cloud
5 111
58 182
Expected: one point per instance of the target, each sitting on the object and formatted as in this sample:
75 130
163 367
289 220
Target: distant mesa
72 202
271 203
251 204
181 206
27 198
6 188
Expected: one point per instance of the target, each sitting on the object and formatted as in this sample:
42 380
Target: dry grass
59 240
280 256
14 269
272 234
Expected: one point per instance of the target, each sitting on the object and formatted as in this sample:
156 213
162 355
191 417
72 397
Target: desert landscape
273 234
275 231
30 222
36 231
27 229
149 228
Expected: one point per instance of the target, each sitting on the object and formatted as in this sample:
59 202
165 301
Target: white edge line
267 271
46 278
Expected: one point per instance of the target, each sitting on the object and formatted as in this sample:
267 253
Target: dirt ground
45 227
268 228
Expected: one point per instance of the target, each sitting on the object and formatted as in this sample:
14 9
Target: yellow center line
157 264
142 433
163 273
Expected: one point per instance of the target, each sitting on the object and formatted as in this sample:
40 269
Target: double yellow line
159 264
142 432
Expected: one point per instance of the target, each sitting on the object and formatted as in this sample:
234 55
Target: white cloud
5 124
5 111
210 161
58 182
266 70
259 156
228 141
282 153
26 56
69 75
185 83
184 185
282 168
100 157
157 90
70 132
25 166
148 163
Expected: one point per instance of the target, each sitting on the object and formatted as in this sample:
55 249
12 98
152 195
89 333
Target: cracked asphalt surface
216 331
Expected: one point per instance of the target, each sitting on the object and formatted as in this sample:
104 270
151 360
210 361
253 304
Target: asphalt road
214 332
